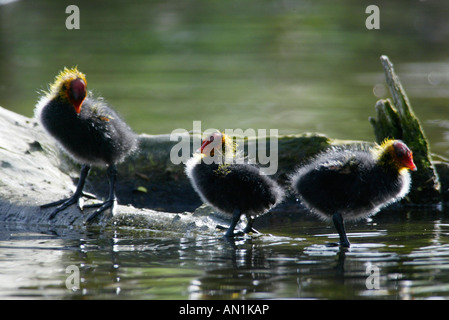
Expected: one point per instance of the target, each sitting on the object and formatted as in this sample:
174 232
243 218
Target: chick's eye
211 139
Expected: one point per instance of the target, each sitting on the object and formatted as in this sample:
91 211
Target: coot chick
88 130
354 182
231 188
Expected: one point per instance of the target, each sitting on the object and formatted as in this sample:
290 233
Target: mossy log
396 119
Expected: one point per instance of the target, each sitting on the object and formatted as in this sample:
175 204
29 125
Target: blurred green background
290 65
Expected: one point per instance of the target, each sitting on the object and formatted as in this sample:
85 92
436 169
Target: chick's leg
75 198
111 201
340 226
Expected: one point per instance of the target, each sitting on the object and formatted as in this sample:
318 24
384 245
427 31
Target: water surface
409 249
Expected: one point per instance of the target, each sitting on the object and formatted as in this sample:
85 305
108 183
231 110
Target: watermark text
259 146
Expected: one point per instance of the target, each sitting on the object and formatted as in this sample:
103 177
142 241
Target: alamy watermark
372 282
73 20
373 20
264 147
72 281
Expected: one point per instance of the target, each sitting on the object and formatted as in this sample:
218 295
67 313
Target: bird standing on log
231 188
88 130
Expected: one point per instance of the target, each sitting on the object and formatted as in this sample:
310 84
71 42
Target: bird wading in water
349 183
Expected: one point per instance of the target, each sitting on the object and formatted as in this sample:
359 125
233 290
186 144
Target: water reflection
29 262
409 249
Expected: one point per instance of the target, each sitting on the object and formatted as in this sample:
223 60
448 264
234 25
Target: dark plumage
87 129
232 189
355 182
